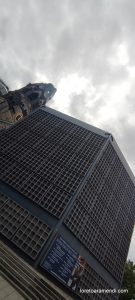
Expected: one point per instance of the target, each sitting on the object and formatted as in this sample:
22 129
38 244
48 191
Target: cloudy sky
86 49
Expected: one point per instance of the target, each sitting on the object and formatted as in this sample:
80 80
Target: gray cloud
83 107
60 37
78 105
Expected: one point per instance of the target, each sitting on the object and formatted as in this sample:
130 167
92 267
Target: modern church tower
67 204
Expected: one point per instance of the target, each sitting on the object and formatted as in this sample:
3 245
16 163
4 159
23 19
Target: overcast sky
86 49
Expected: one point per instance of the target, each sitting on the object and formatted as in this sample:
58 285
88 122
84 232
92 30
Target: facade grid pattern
103 211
